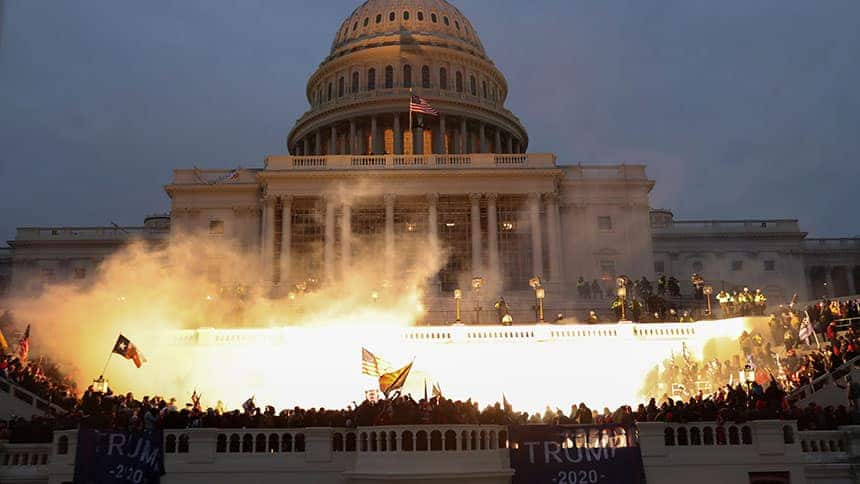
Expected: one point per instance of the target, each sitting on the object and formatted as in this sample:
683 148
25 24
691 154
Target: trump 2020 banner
114 457
575 454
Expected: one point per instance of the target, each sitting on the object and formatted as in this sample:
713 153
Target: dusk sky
740 109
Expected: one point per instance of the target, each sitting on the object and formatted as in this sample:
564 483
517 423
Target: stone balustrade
429 161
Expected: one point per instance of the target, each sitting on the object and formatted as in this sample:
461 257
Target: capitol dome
387 50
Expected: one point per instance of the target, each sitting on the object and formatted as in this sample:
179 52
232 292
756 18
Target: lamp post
540 293
477 283
708 290
458 295
621 283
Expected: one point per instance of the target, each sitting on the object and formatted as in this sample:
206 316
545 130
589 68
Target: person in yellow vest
724 299
760 302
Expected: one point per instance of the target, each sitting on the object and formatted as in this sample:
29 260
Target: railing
38 403
730 226
832 244
30 455
389 161
822 381
697 434
823 442
79 233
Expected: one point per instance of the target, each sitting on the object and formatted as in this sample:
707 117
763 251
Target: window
459 81
433 18
391 17
389 77
329 92
366 21
484 86
355 26
405 15
697 266
48 274
770 265
737 265
371 79
379 18
607 269
443 78
659 267
420 16
354 82
216 227
445 20
473 85
80 273
425 77
407 76
457 24
604 223
341 85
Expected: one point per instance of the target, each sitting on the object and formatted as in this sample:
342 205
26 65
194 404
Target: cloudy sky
740 109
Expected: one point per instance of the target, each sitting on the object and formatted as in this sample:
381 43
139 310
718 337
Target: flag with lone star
125 348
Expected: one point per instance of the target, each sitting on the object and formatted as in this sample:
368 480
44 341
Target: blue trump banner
575 454
113 457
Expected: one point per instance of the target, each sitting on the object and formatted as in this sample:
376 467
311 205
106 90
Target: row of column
313 144
552 222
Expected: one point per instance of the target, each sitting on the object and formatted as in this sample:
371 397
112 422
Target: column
345 239
286 237
398 135
440 136
306 146
318 142
353 145
556 269
433 220
464 140
267 265
482 139
332 142
498 141
374 136
329 239
389 235
493 237
475 198
537 242
510 143
418 137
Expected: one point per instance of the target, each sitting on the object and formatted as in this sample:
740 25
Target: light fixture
450 224
411 227
507 226
535 282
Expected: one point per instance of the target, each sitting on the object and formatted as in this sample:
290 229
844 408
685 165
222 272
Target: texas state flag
125 348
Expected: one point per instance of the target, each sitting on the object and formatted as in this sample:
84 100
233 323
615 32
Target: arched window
457 24
261 442
337 442
341 86
371 79
300 442
446 21
234 443
405 15
407 76
63 445
274 443
247 443
329 92
183 444
378 18
287 443
366 21
391 17
433 18
473 85
443 78
170 444
669 436
354 82
355 27
389 77
484 85
425 77
221 444
420 16
459 81
350 442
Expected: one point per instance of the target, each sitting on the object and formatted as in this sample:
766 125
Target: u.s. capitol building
465 181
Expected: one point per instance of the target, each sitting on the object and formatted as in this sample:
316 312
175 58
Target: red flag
24 345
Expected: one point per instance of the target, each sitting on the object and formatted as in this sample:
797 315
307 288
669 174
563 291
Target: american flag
420 105
372 365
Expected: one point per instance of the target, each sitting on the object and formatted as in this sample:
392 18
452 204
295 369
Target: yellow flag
389 382
4 346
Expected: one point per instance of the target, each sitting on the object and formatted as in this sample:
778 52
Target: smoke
146 293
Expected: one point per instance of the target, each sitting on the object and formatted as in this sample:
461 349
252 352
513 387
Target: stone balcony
411 162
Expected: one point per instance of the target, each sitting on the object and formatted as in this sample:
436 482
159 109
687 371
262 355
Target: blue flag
113 457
